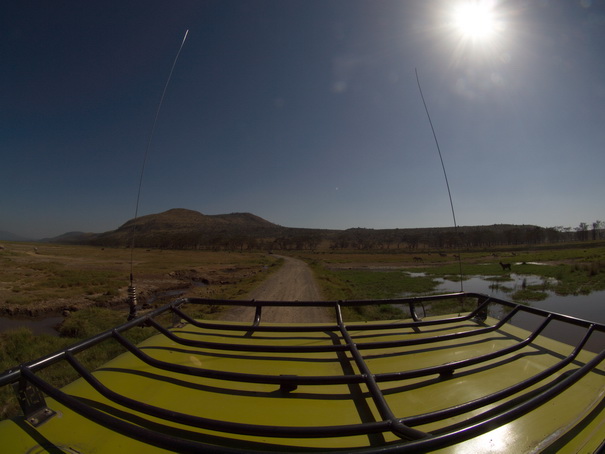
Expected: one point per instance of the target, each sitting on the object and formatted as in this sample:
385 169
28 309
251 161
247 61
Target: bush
90 321
19 346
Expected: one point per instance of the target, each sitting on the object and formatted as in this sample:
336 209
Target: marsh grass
529 294
20 346
566 269
74 282
340 284
360 285
365 285
17 347
569 279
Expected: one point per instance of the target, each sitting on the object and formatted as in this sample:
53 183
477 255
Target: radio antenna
444 174
132 293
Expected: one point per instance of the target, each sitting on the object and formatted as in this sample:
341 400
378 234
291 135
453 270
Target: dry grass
40 278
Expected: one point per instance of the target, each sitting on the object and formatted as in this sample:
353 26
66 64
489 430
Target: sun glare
475 20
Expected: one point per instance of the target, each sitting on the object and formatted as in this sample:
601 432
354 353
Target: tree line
286 238
464 237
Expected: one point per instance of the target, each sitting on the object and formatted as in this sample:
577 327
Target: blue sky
305 113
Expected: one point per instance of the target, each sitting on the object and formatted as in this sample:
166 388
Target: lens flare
475 20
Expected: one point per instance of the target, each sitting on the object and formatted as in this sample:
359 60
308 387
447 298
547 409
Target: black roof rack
355 344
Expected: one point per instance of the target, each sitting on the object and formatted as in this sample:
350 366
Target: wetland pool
588 307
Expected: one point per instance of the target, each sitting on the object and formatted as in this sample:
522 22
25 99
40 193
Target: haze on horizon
306 114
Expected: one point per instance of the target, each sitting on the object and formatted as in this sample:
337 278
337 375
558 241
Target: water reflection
589 307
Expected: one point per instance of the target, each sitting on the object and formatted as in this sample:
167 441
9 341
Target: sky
306 113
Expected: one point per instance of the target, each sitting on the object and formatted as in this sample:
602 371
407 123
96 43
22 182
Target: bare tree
596 227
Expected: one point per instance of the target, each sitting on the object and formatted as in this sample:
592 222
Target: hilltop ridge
181 228
183 219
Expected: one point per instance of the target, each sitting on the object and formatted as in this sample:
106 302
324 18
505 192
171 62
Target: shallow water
48 325
38 326
588 307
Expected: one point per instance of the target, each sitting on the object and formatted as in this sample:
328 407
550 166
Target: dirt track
292 282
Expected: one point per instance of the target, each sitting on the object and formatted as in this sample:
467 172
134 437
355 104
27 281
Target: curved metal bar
396 426
227 426
257 315
240 376
502 394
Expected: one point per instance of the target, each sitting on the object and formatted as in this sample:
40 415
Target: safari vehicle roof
463 382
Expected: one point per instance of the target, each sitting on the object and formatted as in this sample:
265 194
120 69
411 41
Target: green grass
529 294
19 346
359 284
364 285
368 285
565 270
562 278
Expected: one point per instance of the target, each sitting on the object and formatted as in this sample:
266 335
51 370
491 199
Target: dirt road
294 281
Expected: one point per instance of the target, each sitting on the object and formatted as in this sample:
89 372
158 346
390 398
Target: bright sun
475 20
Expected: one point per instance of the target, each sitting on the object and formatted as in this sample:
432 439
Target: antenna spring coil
132 301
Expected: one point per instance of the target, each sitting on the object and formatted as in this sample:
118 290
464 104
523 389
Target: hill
180 228
183 219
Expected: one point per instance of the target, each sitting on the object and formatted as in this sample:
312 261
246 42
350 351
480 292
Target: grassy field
35 278
579 267
564 269
91 283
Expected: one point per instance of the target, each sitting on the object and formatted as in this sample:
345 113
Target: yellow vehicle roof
454 383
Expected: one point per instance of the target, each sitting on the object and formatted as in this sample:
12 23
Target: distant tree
217 243
514 236
596 227
282 242
476 238
314 241
553 234
251 243
582 231
535 235
412 241
340 242
236 242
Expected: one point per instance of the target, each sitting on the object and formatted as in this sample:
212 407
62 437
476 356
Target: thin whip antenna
131 289
444 173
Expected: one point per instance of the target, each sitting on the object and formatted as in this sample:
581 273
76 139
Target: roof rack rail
397 375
